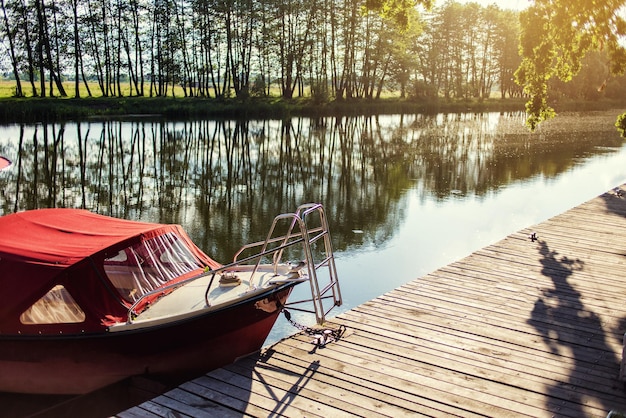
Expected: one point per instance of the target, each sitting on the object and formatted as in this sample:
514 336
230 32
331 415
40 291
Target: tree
348 49
555 37
14 62
398 10
583 86
77 54
240 22
507 55
466 50
404 46
294 26
29 41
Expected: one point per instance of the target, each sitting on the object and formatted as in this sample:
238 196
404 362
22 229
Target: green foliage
556 35
397 10
320 93
589 84
259 87
620 124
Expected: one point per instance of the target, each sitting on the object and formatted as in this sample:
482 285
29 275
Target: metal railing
307 226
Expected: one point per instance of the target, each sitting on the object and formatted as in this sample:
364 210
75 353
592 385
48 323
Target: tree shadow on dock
615 203
574 335
615 200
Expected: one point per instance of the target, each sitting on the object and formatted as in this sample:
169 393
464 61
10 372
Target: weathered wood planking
519 328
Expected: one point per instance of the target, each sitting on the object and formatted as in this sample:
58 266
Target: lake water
405 195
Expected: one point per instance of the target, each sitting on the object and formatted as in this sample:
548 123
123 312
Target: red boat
88 300
4 162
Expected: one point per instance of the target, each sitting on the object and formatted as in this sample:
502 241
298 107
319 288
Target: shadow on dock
570 329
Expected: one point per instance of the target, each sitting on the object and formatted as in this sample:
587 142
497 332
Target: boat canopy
4 162
64 270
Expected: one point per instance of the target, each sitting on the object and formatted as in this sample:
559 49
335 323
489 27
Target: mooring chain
322 336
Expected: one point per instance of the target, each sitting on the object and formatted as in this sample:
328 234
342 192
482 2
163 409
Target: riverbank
56 109
34 109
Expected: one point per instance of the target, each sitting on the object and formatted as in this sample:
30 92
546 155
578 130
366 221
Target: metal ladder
307 226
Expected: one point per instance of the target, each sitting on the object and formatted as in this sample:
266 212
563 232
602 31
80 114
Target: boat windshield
146 266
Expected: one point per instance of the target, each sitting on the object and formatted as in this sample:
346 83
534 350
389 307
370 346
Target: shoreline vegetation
34 109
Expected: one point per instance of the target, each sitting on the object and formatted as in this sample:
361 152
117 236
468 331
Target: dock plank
518 328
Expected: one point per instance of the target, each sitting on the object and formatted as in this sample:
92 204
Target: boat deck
189 300
519 328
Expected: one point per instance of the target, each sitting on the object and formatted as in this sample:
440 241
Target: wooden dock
519 328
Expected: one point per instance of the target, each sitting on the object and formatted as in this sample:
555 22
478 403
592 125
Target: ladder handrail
301 231
271 241
277 255
317 296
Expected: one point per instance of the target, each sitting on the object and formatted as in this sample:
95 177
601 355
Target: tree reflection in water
224 179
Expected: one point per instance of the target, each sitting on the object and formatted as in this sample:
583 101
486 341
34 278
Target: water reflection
225 179
405 194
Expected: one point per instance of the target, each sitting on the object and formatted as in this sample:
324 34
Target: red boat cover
42 248
4 162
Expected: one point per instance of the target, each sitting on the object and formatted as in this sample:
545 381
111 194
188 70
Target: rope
322 336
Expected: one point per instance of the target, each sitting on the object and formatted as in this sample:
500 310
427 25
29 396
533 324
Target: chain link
322 336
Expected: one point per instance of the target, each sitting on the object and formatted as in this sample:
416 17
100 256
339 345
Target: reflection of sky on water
435 233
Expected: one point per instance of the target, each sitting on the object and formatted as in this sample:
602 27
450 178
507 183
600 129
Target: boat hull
77 364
